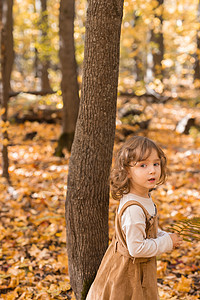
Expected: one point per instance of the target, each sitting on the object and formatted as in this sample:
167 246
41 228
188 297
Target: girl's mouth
152 180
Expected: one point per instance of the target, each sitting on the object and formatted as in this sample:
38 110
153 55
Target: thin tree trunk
44 58
45 84
139 71
7 57
197 63
158 52
88 188
197 55
149 60
138 57
69 84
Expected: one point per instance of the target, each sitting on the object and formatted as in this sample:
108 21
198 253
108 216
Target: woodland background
158 96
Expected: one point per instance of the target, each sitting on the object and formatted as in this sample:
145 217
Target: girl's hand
176 239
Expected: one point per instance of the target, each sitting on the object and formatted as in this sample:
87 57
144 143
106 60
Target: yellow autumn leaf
63 260
2 111
184 284
140 91
62 236
43 296
5 142
14 282
51 229
2 232
4 124
54 290
34 251
64 286
9 296
161 269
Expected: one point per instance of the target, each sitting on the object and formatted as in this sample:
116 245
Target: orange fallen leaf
183 285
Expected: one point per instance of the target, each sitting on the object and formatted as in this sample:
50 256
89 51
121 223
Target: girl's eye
143 165
157 164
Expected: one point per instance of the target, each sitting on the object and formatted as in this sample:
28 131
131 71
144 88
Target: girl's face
144 175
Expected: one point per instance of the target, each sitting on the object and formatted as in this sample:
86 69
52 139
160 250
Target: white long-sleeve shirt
133 223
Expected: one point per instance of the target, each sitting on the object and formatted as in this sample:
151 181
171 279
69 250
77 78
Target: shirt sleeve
133 223
162 232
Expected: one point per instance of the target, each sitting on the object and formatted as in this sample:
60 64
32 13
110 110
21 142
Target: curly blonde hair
135 149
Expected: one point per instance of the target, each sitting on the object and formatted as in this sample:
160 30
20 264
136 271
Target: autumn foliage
33 258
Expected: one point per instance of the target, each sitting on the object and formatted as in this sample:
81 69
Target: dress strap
120 235
133 202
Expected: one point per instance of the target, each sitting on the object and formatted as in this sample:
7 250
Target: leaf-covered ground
33 258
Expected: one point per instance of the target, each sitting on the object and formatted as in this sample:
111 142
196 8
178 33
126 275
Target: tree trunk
45 84
7 57
197 63
69 84
149 59
44 57
138 58
36 63
158 51
197 55
88 187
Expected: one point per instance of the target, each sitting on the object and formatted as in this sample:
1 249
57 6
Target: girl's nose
152 170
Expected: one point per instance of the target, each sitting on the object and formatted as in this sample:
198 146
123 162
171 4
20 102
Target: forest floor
33 258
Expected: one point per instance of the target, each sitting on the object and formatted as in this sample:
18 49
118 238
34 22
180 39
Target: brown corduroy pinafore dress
121 276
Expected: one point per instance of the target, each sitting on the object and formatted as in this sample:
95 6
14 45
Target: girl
128 269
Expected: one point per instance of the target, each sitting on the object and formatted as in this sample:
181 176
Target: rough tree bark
88 188
69 84
7 57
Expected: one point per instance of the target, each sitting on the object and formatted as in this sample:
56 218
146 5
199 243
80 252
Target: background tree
69 84
88 189
155 44
197 54
36 41
7 57
158 40
138 56
179 28
44 42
